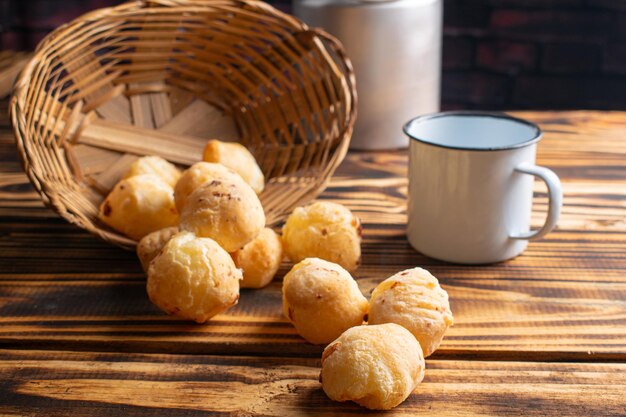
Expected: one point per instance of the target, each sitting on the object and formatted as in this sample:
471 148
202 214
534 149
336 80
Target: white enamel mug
471 180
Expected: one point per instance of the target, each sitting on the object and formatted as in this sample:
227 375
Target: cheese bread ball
196 176
193 278
139 205
323 230
322 300
414 300
259 259
151 244
377 367
225 210
154 165
236 157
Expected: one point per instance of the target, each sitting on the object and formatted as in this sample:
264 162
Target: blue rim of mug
419 119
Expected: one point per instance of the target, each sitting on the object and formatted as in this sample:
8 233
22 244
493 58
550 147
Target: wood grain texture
87 384
565 298
11 63
502 318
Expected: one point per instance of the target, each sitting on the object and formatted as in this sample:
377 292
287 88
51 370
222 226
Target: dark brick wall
535 54
497 54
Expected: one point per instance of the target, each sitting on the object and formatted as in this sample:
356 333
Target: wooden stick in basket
124 138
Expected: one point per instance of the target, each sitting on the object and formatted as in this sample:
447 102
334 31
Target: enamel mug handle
555 199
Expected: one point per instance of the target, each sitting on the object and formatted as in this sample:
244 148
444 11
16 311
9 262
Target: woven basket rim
324 42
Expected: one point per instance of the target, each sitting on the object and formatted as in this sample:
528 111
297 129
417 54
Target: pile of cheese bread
202 237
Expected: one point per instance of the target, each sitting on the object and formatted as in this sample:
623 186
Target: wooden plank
202 120
508 318
85 383
94 160
569 257
141 110
592 207
179 99
140 141
161 108
126 138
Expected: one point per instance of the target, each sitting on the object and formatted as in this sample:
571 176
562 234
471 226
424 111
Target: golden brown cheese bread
154 165
197 175
414 300
193 278
377 367
259 259
322 300
151 244
323 230
139 205
236 157
226 210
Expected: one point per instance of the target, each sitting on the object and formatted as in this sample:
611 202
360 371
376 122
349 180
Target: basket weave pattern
160 77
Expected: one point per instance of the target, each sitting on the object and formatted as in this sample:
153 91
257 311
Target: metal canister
395 47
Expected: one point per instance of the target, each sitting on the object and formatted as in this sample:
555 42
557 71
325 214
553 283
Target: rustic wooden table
542 335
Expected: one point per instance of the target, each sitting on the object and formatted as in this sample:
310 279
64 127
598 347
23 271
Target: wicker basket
160 77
